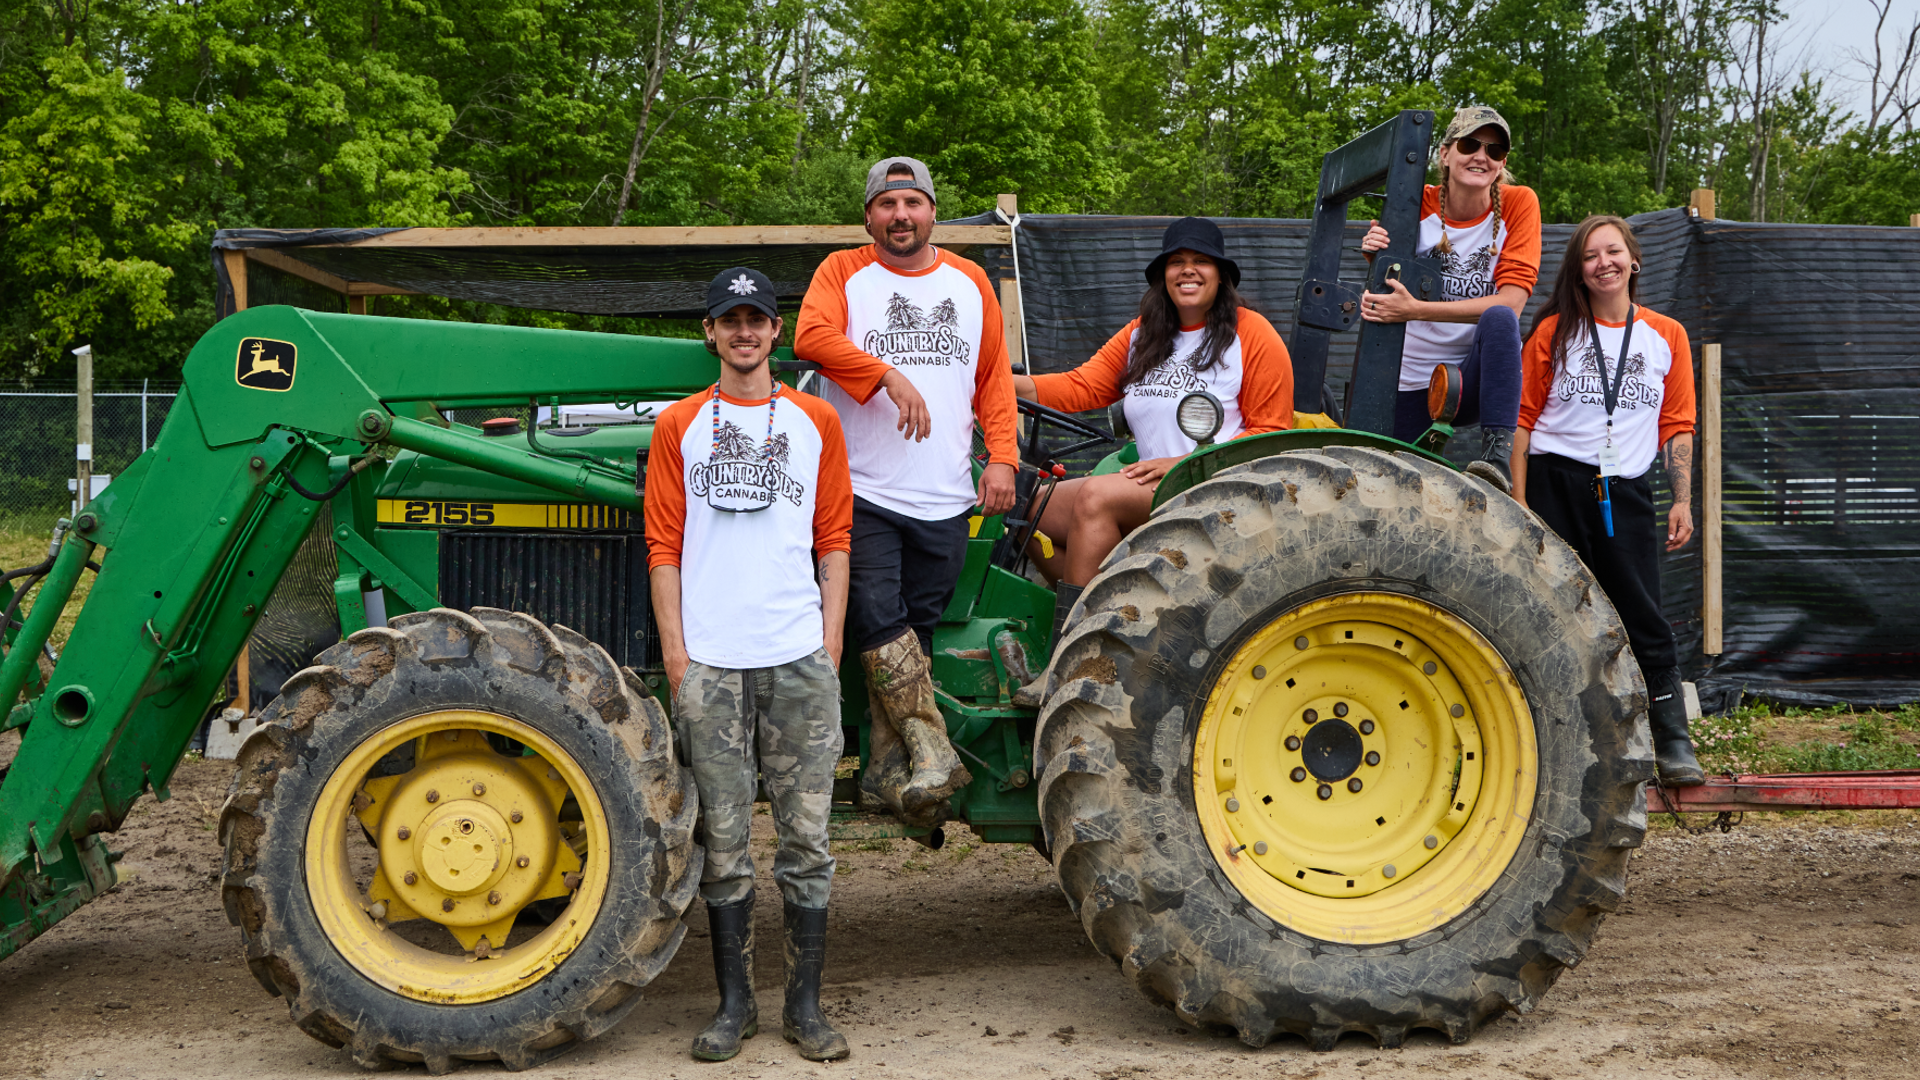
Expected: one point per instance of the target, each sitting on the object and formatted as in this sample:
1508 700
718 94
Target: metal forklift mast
1395 153
278 406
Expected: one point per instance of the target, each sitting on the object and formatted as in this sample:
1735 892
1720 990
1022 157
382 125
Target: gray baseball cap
877 181
1465 122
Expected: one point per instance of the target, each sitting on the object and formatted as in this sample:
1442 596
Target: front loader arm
199 530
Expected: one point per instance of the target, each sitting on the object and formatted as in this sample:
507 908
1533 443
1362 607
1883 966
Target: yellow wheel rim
1365 768
466 838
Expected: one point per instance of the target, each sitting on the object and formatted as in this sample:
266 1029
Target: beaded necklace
773 400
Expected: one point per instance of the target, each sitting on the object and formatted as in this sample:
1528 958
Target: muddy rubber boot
903 681
1065 596
738 1017
1495 463
1672 743
885 775
801 1021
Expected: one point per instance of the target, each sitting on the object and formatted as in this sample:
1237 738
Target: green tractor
1340 740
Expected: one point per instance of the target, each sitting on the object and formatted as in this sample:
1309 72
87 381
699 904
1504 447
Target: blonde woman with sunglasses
1484 230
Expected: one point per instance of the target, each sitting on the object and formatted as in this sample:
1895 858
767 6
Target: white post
83 426
143 416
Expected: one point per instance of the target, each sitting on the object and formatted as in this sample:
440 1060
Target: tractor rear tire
1150 811
430 700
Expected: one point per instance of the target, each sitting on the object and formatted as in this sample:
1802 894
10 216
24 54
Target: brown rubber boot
884 777
902 679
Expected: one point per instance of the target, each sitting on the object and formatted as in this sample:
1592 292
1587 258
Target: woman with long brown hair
1606 386
1193 333
1484 229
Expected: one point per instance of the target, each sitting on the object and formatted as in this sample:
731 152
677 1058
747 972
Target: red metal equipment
1890 790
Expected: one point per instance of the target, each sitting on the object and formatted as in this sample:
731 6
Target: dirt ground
1787 948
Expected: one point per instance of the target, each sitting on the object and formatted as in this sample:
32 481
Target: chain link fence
37 443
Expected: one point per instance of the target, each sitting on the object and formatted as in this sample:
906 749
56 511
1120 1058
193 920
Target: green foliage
130 129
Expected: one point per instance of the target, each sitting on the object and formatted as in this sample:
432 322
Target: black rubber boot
801 1022
1672 743
1065 596
1495 463
738 1017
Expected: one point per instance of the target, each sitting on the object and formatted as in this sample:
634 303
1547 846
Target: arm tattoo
1679 463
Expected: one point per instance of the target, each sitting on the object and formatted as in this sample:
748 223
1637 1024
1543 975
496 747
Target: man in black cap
746 485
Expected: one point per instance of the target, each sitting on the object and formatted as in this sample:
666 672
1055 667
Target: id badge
1609 460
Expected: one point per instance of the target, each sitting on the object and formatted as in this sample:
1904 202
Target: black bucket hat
1193 234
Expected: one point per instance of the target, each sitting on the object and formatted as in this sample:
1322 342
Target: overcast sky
1830 28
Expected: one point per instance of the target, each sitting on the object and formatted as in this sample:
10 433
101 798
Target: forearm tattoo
1679 462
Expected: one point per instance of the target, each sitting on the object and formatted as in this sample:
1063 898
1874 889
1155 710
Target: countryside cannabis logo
1468 275
914 336
1582 380
741 476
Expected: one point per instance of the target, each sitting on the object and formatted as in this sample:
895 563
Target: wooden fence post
1010 295
1712 622
1700 204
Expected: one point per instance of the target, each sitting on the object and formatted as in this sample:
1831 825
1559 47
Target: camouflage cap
1474 117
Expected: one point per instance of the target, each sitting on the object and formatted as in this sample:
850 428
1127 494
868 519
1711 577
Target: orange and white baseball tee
1486 255
748 594
1253 380
940 327
1564 405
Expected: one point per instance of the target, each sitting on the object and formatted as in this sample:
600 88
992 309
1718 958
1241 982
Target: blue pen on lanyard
1606 504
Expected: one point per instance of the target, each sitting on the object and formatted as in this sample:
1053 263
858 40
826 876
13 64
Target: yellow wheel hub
465 838
1365 768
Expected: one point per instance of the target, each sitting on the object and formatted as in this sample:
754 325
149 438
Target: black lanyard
1610 392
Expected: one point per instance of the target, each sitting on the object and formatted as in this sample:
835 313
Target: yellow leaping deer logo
265 364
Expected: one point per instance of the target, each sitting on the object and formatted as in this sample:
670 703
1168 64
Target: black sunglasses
1469 145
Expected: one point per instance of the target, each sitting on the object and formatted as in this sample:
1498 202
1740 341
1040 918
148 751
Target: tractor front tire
406 797
1343 740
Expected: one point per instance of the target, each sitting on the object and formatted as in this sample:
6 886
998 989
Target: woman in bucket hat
1484 230
1193 333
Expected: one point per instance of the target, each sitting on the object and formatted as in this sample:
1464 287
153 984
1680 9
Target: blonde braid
1445 246
1493 239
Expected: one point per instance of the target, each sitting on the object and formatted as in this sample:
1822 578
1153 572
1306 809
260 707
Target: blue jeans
1490 396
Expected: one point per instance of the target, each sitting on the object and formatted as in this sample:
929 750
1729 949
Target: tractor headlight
1200 415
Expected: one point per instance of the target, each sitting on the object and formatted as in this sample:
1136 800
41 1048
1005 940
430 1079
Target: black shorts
903 574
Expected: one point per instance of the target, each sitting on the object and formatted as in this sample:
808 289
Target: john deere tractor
1340 740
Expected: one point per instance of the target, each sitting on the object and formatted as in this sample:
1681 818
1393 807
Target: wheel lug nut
1293 742
1312 716
521 862
493 897
571 881
1432 842
404 833
1354 784
479 789
1373 757
1366 727
411 878
516 817
433 796
378 911
1340 708
1298 775
1325 792
447 904
1233 806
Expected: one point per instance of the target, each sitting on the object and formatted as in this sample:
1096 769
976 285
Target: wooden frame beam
288 264
564 236
1712 565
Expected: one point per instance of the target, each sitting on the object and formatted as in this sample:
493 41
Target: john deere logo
265 364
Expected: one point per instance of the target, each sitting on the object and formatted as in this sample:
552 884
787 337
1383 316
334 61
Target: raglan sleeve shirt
833 498
1677 405
1520 251
666 493
1536 372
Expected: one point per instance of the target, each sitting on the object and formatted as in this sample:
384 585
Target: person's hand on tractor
1375 240
916 422
1679 526
995 495
1390 307
1149 472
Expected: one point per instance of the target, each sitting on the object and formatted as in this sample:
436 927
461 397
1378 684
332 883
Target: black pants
903 573
1627 564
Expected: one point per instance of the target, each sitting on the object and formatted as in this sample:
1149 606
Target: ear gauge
1636 268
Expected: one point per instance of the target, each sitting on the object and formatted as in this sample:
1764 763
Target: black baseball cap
740 285
1193 234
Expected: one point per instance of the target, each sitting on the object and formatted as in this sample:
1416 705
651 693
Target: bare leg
1057 522
1105 509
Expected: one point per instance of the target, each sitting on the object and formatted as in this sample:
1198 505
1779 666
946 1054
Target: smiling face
1475 171
1193 280
901 221
744 336
1606 264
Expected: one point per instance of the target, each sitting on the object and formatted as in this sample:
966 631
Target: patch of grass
20 548
1764 738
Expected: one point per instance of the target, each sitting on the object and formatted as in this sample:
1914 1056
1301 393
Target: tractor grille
595 583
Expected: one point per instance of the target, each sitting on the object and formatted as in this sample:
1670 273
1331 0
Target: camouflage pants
794 712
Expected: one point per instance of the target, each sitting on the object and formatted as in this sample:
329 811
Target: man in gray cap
910 340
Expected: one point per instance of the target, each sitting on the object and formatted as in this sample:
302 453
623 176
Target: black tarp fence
1820 396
